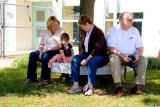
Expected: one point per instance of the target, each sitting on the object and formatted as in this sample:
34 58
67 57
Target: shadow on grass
12 82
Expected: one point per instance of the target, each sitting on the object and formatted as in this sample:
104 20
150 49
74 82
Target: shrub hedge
153 63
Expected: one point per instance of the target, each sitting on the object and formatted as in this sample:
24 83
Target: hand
136 58
125 58
84 62
65 61
40 55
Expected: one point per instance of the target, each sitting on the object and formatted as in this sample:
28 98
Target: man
123 41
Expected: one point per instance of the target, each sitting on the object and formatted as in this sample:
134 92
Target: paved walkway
6 61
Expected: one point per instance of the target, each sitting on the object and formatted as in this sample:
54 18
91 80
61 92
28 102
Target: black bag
131 65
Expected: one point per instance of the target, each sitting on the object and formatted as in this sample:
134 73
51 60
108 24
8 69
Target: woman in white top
48 47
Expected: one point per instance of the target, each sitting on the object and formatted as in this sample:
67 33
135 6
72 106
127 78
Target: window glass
138 25
109 16
70 16
73 30
40 16
108 24
70 12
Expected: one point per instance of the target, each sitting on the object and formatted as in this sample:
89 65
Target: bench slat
65 68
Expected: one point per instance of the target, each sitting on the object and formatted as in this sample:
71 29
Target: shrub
22 62
153 63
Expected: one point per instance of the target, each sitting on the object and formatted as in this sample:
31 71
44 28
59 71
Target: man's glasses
129 20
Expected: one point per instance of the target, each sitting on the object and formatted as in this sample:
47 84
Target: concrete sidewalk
6 61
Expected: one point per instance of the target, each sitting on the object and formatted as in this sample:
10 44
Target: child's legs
56 57
69 58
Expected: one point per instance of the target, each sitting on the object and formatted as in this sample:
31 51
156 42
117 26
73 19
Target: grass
13 92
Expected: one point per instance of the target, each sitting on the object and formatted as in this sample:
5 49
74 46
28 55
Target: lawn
14 93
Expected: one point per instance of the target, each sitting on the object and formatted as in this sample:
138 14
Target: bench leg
65 77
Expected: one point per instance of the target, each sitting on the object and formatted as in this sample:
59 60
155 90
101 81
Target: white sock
76 84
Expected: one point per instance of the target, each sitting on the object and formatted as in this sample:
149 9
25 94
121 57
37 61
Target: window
138 17
70 16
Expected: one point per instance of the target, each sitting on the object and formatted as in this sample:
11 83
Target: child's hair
64 36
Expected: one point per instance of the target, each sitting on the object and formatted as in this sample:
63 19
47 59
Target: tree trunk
86 7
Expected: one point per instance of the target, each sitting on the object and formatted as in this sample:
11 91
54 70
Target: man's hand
125 58
136 58
40 54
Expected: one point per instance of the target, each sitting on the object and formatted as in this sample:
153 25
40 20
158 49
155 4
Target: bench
65 68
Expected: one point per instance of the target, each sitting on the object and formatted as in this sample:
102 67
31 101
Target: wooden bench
65 68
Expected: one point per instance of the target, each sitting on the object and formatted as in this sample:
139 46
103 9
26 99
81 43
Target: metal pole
3 30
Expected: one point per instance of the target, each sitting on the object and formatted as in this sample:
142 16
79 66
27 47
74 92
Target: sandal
44 83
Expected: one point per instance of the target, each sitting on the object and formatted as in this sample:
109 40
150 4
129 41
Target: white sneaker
89 92
74 90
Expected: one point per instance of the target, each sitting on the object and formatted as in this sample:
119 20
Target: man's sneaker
119 91
89 92
28 81
74 90
136 90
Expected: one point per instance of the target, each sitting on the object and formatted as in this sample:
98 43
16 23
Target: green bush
22 62
153 63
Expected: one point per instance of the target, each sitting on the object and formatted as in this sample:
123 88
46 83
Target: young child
66 51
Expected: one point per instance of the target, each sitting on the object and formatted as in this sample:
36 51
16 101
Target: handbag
85 88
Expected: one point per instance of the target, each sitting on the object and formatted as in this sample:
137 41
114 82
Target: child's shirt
66 49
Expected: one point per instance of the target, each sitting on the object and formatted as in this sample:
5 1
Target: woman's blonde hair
49 22
83 19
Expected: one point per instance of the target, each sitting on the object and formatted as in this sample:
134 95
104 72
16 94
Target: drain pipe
3 30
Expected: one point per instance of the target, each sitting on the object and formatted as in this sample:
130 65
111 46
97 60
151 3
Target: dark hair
64 36
83 19
49 22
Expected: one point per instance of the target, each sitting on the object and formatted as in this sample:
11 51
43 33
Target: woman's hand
84 62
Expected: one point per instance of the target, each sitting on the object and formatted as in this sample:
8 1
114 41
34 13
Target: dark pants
32 64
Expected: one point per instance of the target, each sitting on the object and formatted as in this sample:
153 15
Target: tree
86 7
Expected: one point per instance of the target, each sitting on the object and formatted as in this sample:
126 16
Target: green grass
13 92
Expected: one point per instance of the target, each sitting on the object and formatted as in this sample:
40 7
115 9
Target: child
66 51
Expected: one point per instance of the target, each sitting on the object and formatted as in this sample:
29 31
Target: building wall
24 30
10 23
150 22
151 28
21 38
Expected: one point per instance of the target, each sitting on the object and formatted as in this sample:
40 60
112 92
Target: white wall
24 34
10 20
151 28
99 14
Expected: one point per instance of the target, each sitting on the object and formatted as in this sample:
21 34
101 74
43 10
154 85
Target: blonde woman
48 47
